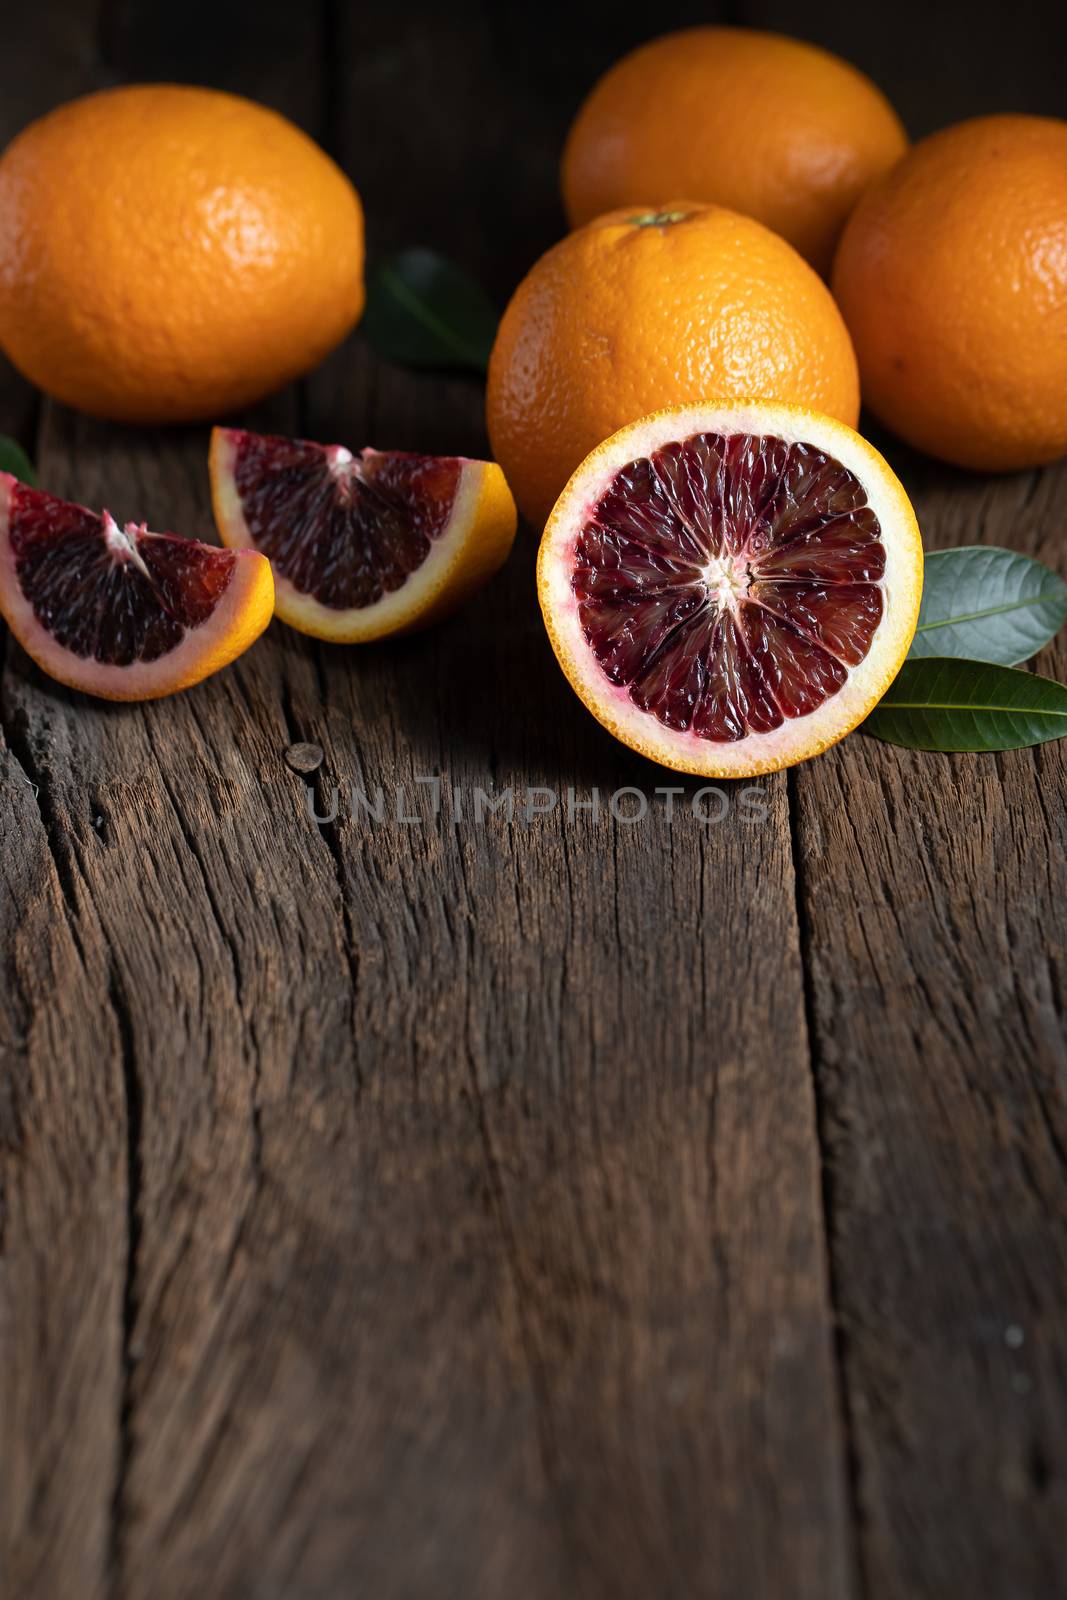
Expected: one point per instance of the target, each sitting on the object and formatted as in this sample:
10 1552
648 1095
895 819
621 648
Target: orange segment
731 589
365 545
121 612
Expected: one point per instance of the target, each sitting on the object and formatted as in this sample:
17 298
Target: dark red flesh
102 605
803 550
348 535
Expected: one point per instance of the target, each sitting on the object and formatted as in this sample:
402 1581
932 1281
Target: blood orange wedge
363 545
121 612
731 588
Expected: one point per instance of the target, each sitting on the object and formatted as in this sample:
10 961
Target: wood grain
410 1121
64 1192
440 1208
618 1136
933 891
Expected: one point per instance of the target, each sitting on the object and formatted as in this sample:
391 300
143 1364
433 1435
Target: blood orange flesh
362 543
344 528
729 583
731 588
122 612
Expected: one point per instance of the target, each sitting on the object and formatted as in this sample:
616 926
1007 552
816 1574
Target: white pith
797 737
726 578
122 542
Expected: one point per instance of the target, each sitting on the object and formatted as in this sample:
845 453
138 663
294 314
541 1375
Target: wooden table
576 1208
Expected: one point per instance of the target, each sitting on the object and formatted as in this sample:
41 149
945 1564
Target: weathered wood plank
465 1259
593 994
63 1194
589 997
219 908
936 932
323 1330
933 888
210 920
63 1103
461 1307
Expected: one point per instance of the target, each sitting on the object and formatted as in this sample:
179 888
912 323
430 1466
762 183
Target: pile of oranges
748 221
752 238
723 157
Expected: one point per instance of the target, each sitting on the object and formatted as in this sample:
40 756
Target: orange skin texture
170 253
780 130
618 320
952 276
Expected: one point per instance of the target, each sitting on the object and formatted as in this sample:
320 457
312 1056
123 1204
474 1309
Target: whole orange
780 130
637 312
169 253
952 275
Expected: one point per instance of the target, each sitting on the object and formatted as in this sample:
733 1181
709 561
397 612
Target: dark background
674 1211
512 76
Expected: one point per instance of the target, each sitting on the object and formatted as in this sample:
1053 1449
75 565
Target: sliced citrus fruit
121 612
362 545
731 588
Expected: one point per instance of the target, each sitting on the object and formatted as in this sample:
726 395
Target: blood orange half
362 545
121 612
731 589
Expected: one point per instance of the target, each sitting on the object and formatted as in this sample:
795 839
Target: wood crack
329 832
548 1448
254 1054
15 732
544 1424
827 1197
130 1355
719 1252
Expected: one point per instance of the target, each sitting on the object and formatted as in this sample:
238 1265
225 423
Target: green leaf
944 704
14 459
986 604
424 311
